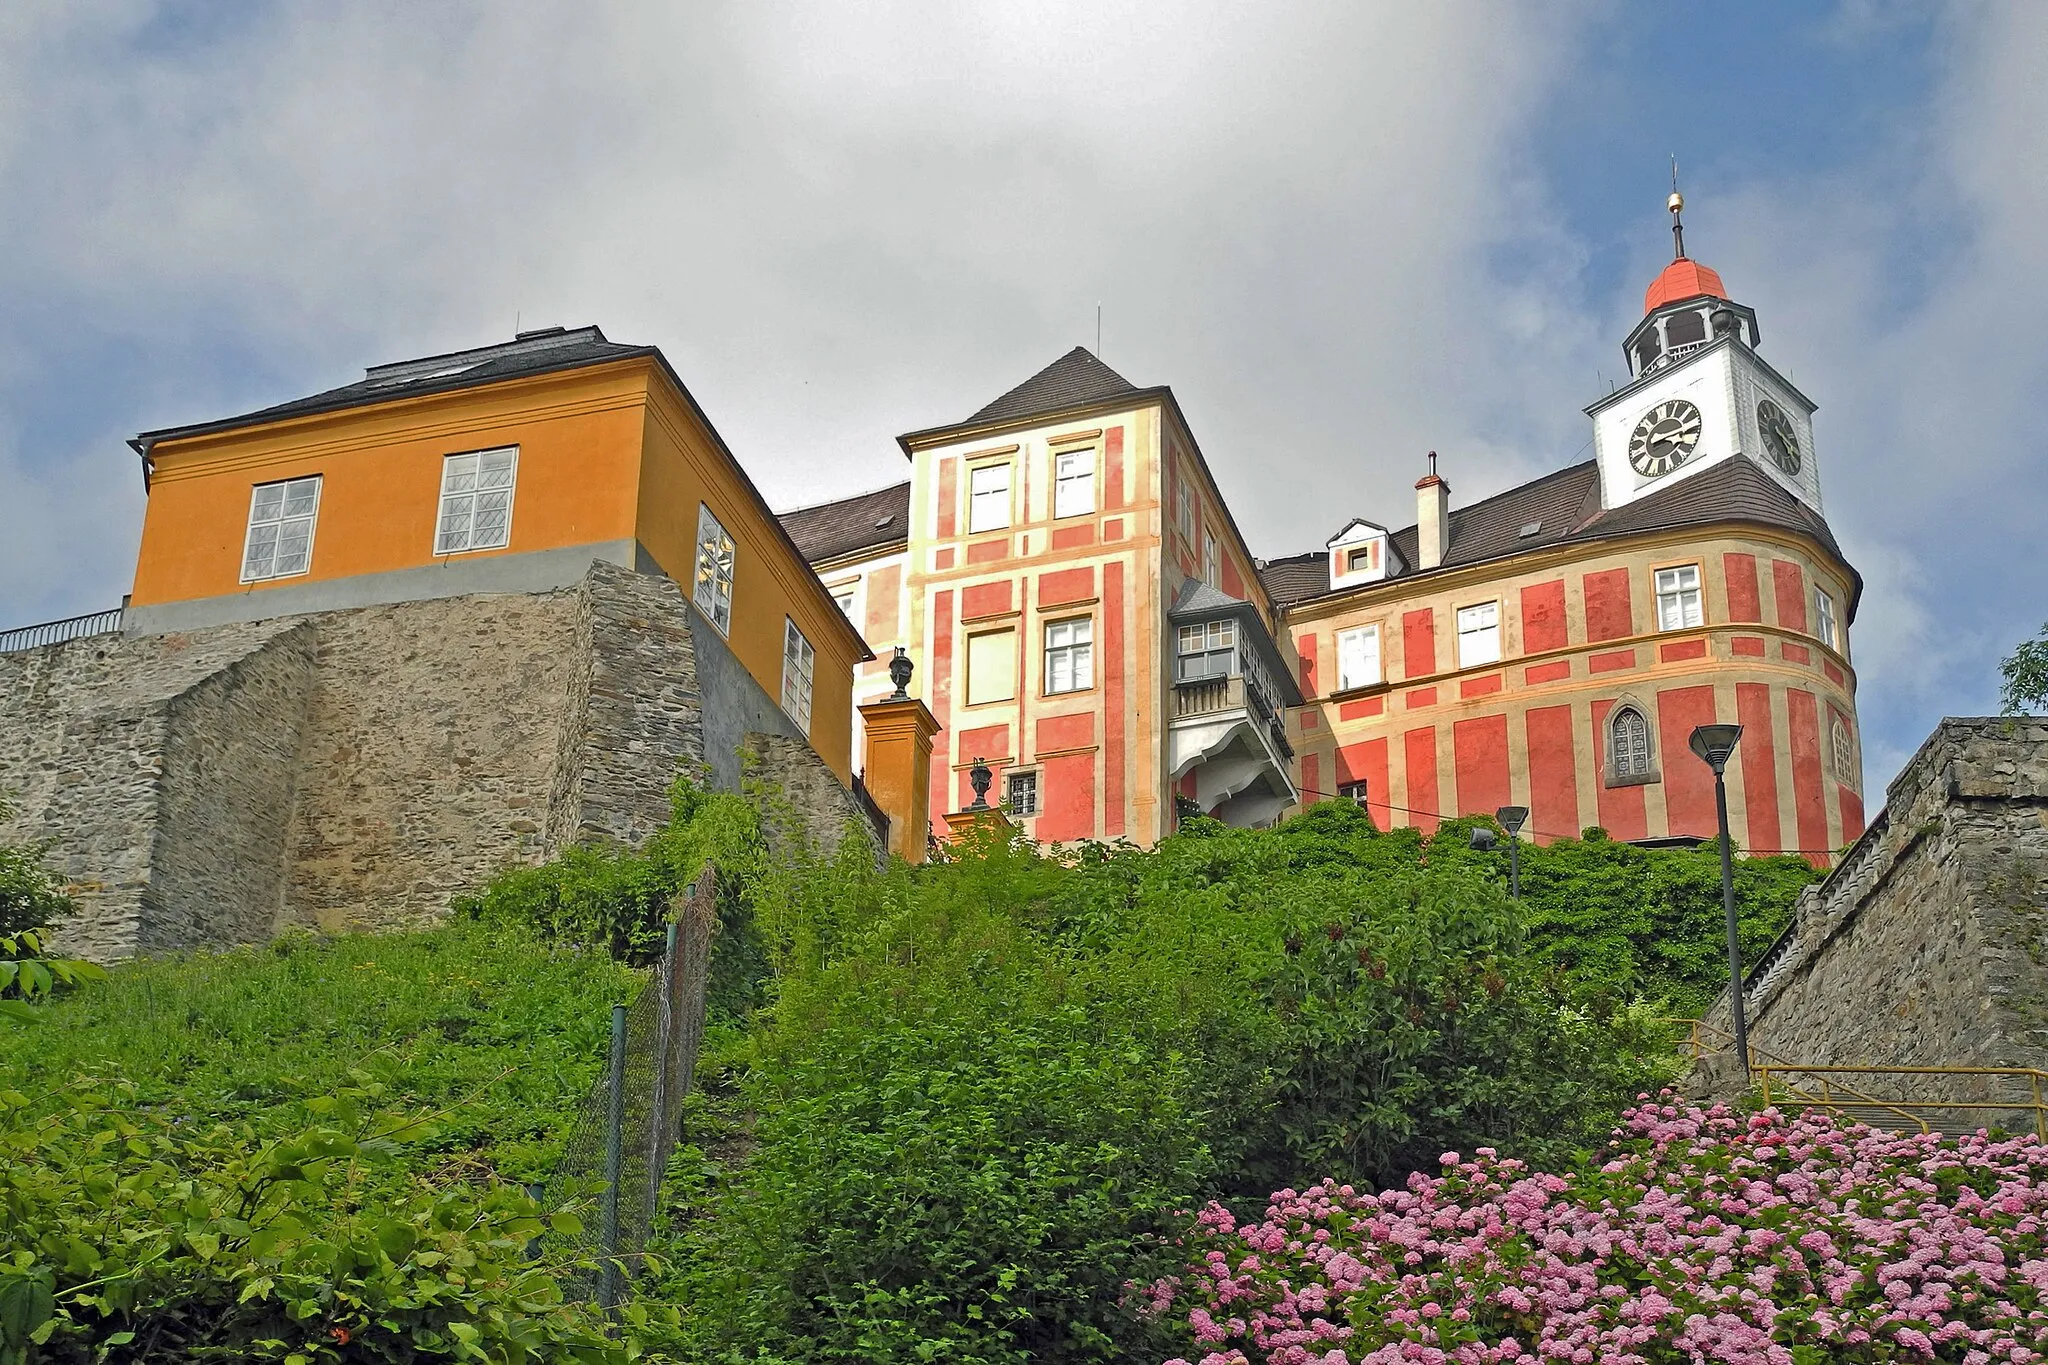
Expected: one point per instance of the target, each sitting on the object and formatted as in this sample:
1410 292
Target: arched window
1683 329
1628 743
1845 752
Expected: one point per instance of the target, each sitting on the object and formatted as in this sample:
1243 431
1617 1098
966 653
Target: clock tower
1698 393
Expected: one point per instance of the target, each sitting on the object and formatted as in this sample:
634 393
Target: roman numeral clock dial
1665 438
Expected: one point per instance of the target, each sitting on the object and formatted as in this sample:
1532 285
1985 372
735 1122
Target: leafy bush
960 1125
132 1234
31 897
1706 1235
26 975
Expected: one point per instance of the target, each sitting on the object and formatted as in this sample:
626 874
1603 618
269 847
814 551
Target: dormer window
1358 554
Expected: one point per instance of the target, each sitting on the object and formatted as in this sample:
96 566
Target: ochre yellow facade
612 456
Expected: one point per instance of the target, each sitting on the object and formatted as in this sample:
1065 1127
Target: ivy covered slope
973 1098
309 1151
947 1113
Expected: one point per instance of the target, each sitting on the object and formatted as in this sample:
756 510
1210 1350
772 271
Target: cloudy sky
1345 234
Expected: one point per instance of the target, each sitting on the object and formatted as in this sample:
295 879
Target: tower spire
1676 203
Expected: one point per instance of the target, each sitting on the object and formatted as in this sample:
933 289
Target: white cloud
1320 225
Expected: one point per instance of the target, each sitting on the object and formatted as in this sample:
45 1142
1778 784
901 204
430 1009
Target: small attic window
1529 528
885 521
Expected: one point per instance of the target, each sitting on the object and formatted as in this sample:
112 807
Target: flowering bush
1708 1236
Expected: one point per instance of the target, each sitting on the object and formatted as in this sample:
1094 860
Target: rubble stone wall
1928 945
356 769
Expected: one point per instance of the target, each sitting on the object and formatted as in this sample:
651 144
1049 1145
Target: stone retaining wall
1928 945
356 769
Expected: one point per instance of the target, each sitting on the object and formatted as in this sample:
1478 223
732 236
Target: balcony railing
57 632
1207 696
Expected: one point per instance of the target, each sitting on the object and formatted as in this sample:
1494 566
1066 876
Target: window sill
1634 780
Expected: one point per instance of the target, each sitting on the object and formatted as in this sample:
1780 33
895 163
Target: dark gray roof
534 352
1075 378
1197 601
832 530
1565 506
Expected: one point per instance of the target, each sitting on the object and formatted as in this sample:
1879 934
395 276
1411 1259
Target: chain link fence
611 1170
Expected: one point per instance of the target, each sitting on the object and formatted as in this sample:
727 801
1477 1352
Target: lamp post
1512 818
1714 743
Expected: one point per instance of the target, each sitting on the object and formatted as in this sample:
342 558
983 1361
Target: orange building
504 468
1089 623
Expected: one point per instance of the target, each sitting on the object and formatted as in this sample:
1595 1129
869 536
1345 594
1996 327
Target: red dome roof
1682 279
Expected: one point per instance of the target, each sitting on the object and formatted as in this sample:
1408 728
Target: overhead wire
1534 833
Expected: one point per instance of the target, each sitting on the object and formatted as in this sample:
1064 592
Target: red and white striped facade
1086 618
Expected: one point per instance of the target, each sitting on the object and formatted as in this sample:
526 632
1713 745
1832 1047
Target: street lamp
1714 743
1512 819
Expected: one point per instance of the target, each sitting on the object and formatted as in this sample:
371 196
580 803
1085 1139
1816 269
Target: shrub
978 1090
1705 1235
31 897
135 1235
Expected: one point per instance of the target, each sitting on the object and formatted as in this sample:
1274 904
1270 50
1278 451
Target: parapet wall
356 769
1928 945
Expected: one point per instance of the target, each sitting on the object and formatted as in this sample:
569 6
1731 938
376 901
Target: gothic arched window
1628 744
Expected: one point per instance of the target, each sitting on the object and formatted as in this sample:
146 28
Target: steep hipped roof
832 530
530 353
1565 507
1075 378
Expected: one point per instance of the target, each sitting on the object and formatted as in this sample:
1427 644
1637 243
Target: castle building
503 468
390 639
1091 625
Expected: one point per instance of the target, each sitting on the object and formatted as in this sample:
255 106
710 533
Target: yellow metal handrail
1775 1079
1913 1111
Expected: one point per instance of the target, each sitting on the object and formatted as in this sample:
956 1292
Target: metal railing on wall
1946 1099
611 1171
57 632
877 817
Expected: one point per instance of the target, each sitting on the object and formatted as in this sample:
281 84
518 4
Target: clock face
1665 438
1780 437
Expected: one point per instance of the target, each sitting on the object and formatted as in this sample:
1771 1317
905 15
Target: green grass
502 1032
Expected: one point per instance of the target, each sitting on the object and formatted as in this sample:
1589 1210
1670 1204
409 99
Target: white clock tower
1698 393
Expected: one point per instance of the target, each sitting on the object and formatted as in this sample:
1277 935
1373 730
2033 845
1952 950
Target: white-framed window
988 497
1358 657
476 501
1355 792
1211 559
1069 655
713 590
1479 634
1824 618
845 597
1073 483
1844 747
1206 650
1184 506
280 539
1020 793
1628 744
1678 598
798 662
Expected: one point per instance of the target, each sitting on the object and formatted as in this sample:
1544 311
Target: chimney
1432 518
